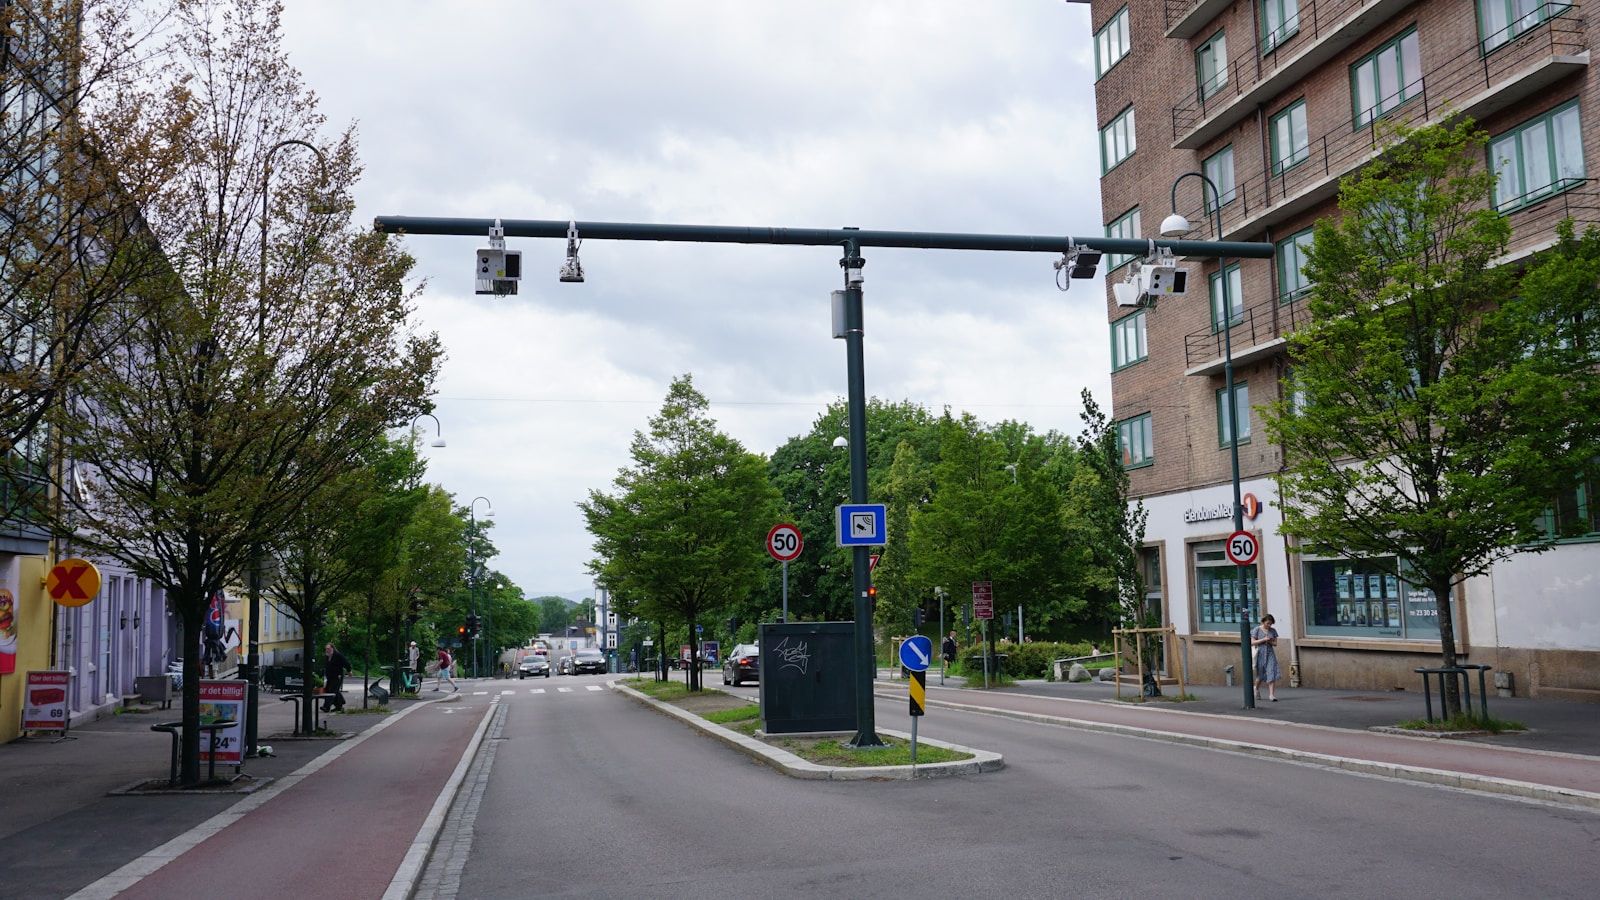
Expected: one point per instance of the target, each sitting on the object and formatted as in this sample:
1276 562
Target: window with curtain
1111 43
1291 141
1211 64
1128 341
1386 78
1227 312
1117 141
1219 168
1540 157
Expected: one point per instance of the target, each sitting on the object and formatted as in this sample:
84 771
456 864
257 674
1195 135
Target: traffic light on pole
916 617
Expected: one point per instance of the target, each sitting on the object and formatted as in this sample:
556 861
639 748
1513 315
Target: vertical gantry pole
860 566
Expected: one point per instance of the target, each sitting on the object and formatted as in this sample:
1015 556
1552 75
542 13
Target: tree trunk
1450 702
308 697
189 746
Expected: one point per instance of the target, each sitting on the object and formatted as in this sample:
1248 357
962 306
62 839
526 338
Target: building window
1127 341
1117 141
1225 591
1124 226
1386 79
1137 441
1280 20
1538 158
1111 43
1241 406
1219 168
1365 598
1499 21
1211 64
1234 304
1291 141
1294 391
1576 511
1292 280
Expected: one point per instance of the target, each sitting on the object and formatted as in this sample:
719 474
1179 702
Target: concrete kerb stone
795 767
1460 780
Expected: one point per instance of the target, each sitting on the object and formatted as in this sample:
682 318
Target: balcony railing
1255 326
1469 84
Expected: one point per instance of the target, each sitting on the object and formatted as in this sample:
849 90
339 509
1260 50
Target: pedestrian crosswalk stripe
508 692
593 687
479 693
536 690
563 690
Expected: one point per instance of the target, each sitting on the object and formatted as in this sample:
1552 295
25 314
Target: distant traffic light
916 617
733 624
872 595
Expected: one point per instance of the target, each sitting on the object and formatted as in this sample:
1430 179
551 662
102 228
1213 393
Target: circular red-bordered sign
784 542
1242 548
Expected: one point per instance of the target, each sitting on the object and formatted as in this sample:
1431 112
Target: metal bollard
1227 672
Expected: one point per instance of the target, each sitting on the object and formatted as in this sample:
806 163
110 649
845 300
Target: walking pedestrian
1263 640
333 671
948 649
444 662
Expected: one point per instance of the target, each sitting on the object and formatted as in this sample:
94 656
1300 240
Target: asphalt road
632 803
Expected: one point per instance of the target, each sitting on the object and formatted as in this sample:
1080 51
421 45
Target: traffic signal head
872 593
916 617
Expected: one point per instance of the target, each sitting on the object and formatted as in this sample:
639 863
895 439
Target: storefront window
1364 598
1225 591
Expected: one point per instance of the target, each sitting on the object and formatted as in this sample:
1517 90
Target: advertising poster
223 700
8 632
44 702
711 652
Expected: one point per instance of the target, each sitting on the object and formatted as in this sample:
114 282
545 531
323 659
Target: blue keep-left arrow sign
916 652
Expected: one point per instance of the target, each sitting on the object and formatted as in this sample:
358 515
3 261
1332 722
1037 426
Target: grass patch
751 713
1164 698
835 752
369 711
1464 722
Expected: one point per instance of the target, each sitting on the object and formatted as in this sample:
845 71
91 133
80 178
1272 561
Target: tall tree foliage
1431 418
682 534
73 241
1107 530
220 409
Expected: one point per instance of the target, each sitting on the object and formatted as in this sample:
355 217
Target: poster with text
223 700
44 702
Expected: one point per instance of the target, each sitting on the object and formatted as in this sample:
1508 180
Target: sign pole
786 590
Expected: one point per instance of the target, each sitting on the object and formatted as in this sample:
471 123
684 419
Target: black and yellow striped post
919 704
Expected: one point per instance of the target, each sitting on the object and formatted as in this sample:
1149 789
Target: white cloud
915 116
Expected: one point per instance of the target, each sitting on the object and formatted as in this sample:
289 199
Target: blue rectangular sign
863 525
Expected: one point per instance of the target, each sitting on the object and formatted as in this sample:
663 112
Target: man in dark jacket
333 670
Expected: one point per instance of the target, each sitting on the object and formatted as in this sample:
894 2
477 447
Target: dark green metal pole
861 568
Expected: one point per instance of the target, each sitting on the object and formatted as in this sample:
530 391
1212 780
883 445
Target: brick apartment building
1274 100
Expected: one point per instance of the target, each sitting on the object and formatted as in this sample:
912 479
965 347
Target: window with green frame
1291 140
1241 406
1137 442
1123 226
1219 168
1111 43
1280 20
1386 78
1234 313
1292 280
1540 157
1128 341
1575 513
1211 64
1117 140
1500 21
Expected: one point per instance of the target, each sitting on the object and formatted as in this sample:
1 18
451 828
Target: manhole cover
1370 699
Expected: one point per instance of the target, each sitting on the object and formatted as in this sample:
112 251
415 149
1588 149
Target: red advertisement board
44 702
223 700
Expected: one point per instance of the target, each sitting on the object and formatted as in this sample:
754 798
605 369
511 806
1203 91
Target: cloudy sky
932 115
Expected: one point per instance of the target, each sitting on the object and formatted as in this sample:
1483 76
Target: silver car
534 664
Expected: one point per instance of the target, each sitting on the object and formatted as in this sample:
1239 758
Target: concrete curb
1460 780
795 767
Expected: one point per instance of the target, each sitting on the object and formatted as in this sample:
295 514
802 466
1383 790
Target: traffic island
764 750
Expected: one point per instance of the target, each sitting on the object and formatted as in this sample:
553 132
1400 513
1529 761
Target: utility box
808 672
154 689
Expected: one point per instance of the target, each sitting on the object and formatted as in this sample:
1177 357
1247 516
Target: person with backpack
445 662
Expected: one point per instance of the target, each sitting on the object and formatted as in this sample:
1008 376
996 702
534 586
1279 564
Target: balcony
1257 334
1185 18
1470 84
1256 74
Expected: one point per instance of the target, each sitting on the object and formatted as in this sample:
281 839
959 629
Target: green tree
201 431
1430 419
555 614
683 532
1106 528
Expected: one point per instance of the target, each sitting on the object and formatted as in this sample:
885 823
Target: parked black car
743 664
534 664
588 660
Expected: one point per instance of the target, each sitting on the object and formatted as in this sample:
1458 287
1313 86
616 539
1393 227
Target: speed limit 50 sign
1242 548
784 543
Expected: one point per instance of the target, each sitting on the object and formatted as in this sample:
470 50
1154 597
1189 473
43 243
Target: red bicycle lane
344 829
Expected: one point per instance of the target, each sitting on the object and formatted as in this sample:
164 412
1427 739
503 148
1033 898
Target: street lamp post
438 430
1174 225
251 669
472 569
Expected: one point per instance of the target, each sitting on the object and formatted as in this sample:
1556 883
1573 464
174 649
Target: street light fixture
1173 226
251 669
472 569
438 430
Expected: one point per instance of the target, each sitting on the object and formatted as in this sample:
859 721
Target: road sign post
784 543
916 654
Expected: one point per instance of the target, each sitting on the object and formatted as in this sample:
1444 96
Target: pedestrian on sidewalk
413 677
444 662
948 649
1263 640
333 672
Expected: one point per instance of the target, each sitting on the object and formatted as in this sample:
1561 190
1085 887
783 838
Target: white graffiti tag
797 656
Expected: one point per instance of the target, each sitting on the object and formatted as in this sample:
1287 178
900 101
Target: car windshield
745 650
589 654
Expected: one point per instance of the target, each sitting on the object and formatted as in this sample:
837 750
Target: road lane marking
594 687
535 690
563 690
